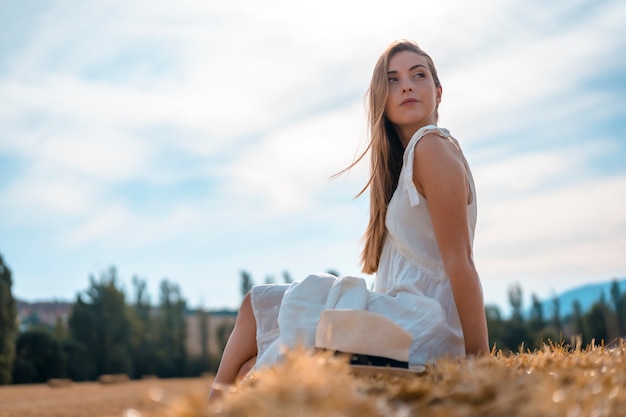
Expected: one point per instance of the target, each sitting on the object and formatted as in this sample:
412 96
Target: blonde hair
386 153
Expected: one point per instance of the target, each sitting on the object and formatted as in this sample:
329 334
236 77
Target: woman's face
413 98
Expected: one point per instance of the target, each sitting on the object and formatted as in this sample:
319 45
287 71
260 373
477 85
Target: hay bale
113 378
59 382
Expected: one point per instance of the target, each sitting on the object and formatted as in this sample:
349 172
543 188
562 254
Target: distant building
219 326
43 313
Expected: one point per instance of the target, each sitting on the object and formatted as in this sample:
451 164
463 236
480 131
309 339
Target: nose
407 89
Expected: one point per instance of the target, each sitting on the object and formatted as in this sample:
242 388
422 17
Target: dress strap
409 152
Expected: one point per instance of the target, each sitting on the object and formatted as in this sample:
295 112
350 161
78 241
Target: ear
439 93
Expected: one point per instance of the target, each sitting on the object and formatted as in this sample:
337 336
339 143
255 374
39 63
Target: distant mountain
586 295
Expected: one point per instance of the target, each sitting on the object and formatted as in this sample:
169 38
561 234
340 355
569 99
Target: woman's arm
439 175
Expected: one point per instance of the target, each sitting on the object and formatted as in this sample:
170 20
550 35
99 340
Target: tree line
603 323
107 332
111 332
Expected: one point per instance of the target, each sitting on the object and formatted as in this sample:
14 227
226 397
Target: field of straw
554 381
146 398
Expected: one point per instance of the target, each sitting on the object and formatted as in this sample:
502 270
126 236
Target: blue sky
192 140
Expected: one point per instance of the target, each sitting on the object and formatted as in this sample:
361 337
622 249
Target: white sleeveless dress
411 286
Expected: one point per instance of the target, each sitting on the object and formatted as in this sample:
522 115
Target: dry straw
554 381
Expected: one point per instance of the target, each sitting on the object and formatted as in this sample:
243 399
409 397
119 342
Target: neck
405 133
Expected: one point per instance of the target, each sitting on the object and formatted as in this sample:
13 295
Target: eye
391 80
419 75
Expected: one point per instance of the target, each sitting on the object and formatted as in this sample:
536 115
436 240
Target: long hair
386 153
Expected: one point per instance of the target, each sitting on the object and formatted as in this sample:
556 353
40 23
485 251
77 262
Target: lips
408 101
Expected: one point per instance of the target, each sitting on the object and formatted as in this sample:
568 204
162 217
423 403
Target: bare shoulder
435 148
438 167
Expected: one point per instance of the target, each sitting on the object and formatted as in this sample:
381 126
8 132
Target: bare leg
240 348
246 368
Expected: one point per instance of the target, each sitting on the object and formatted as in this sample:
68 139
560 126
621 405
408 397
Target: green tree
287 279
557 323
79 365
141 305
541 330
102 325
516 332
618 306
598 323
8 324
495 326
144 349
580 328
82 331
39 357
516 300
537 321
172 330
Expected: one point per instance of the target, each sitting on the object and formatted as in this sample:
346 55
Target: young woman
418 241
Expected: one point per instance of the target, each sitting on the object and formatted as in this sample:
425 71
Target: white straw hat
371 339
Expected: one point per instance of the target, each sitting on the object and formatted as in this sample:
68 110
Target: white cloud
557 216
105 156
106 223
288 169
120 227
39 199
507 173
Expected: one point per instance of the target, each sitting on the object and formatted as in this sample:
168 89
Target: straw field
148 397
554 381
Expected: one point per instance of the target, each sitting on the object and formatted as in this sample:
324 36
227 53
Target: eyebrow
410 69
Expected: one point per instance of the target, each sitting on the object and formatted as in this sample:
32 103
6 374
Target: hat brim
368 370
